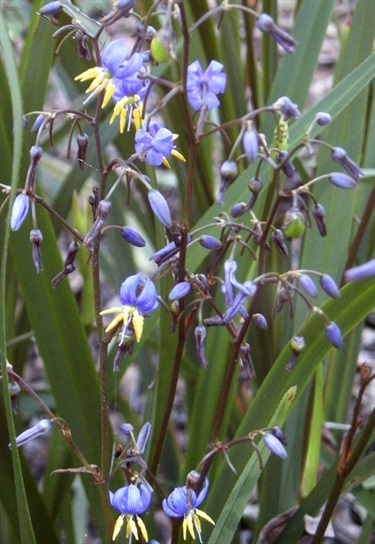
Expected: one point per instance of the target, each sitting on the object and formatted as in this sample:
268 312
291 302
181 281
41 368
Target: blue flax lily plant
172 168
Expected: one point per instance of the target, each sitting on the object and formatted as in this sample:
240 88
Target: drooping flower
265 23
203 87
116 63
131 501
183 502
160 207
340 156
154 144
20 210
132 237
329 285
342 180
138 297
41 428
285 106
275 446
333 334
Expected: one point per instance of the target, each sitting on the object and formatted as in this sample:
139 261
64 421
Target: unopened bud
20 210
333 334
342 180
260 321
160 207
308 285
238 209
328 285
180 290
250 144
132 237
210 242
278 240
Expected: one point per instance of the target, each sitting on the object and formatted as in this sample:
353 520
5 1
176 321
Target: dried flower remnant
36 239
131 501
340 156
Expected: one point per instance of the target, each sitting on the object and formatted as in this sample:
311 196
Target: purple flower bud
255 186
277 238
333 334
323 119
215 321
210 242
286 107
260 321
51 9
144 435
308 285
126 5
229 170
132 237
180 290
37 123
250 144
36 239
319 213
238 209
265 23
126 428
287 167
42 427
160 207
361 272
329 286
82 142
20 210
340 156
274 445
200 336
342 180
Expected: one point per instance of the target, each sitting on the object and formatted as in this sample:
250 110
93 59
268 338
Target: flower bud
277 238
180 290
160 207
37 123
333 334
210 242
278 432
238 209
260 321
361 272
323 119
20 210
36 239
308 285
340 156
265 23
104 207
229 170
255 186
286 107
82 142
42 427
342 180
132 237
200 336
36 153
275 446
287 167
51 9
329 286
318 213
127 428
250 144
294 223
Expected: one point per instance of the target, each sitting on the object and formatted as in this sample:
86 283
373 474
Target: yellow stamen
131 527
119 523
109 92
97 81
91 73
123 116
189 523
137 113
137 321
178 155
143 529
204 516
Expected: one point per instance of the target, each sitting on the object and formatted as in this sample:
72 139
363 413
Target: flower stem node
278 240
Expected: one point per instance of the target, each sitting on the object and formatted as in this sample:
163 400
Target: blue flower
333 334
183 502
155 144
138 297
131 501
116 63
275 445
202 87
361 272
41 428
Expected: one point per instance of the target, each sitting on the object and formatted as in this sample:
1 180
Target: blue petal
147 299
113 55
128 290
